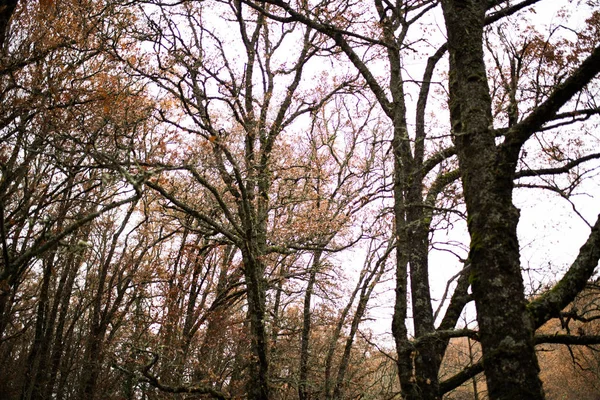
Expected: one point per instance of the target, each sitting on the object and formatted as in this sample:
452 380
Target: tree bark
303 385
412 230
506 328
258 384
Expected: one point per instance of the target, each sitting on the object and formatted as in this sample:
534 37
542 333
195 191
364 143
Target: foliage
218 199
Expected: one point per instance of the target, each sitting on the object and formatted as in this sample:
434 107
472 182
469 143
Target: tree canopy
298 200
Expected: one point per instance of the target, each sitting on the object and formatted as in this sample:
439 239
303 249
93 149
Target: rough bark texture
506 328
412 246
258 387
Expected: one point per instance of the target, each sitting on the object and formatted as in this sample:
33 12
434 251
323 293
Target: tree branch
558 170
154 381
546 111
460 378
580 340
550 304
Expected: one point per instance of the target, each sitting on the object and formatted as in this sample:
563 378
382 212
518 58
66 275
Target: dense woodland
276 199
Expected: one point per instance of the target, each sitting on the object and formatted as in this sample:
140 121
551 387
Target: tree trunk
420 378
399 331
37 360
505 327
417 367
62 301
303 391
258 384
428 356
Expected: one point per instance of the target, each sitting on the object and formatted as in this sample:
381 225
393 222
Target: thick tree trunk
505 327
93 366
404 348
258 384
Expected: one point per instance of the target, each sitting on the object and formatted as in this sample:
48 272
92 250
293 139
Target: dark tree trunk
258 384
428 356
505 327
412 246
7 8
37 360
418 367
303 391
62 302
404 348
